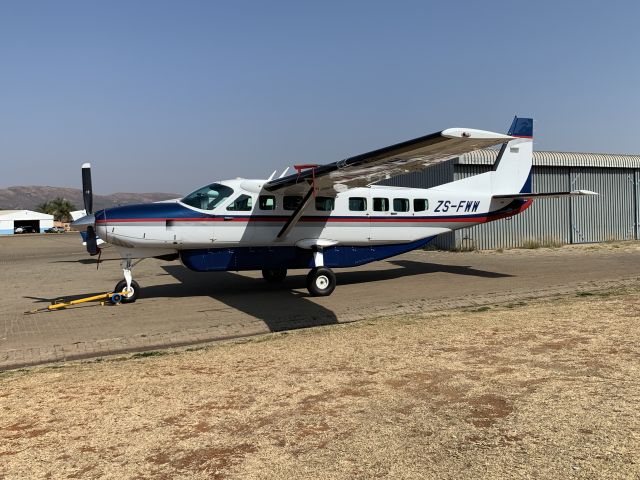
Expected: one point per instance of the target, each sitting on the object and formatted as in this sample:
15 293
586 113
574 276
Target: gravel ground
545 389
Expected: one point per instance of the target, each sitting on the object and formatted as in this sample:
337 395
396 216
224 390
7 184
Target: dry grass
551 246
548 390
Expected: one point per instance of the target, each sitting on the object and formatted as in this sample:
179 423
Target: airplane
323 216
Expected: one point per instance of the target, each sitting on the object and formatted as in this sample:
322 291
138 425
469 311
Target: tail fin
512 169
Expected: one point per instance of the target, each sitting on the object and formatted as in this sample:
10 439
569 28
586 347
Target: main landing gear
321 281
274 275
129 287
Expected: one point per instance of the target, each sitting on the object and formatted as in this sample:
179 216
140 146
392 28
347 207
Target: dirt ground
542 389
180 307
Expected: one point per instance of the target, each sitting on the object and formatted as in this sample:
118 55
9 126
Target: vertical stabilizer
512 169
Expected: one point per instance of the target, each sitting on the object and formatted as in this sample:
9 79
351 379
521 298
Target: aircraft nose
83 222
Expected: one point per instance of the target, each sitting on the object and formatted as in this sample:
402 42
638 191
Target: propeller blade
92 242
87 189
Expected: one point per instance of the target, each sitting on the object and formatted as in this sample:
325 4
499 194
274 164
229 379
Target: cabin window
267 202
325 204
400 204
380 204
209 197
420 204
291 202
357 204
243 203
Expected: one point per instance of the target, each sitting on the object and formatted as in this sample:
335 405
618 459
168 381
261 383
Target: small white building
12 219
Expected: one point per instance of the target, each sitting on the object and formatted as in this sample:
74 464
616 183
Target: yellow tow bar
113 297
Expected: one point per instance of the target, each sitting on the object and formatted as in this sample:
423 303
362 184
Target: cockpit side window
209 197
243 203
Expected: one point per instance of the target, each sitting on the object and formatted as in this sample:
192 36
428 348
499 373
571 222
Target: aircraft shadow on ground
280 306
66 298
409 268
88 261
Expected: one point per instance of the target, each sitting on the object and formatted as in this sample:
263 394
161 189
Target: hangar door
608 216
34 225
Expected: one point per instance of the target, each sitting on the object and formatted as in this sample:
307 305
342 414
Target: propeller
89 219
87 189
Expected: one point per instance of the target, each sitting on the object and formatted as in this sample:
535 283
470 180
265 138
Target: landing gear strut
129 287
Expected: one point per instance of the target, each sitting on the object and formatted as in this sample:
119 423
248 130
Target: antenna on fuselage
271 176
284 172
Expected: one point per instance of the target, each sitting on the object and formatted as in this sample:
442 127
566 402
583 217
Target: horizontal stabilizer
525 196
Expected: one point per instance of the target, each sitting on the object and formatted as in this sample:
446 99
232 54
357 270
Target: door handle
226 219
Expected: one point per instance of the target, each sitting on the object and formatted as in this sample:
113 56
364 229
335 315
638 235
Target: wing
387 162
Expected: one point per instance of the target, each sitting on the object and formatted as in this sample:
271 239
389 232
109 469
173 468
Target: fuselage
239 214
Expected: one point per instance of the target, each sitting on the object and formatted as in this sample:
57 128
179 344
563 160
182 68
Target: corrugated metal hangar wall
613 215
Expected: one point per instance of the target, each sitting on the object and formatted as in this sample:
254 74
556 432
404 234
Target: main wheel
321 281
274 275
130 296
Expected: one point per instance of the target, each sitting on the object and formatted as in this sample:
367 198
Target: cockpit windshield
209 197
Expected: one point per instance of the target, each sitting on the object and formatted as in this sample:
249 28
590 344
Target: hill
29 197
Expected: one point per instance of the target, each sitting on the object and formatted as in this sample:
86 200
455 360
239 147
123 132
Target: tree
60 208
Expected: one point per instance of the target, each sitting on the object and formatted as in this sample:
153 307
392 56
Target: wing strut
312 167
295 216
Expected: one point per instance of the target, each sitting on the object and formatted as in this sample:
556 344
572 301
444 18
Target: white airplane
323 216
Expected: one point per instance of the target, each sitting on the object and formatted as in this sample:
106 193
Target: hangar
12 219
613 215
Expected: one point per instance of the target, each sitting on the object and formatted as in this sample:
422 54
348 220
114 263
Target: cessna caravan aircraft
322 217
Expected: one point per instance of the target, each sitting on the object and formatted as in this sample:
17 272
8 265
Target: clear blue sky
169 95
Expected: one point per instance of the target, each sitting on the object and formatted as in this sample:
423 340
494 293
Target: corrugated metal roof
558 159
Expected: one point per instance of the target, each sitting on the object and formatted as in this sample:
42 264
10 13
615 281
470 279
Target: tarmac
179 307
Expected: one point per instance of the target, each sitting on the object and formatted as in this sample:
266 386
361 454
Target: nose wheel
130 295
128 287
321 281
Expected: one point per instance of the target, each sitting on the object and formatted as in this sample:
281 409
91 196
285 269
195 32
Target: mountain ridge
28 197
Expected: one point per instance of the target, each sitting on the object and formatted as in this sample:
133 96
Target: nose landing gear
129 287
132 292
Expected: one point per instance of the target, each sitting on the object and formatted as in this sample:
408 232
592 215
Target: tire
321 282
132 297
274 275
